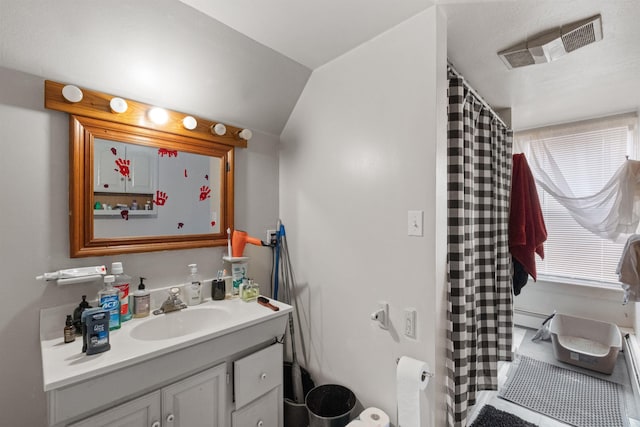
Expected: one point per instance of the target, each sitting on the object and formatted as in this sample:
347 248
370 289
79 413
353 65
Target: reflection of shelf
234 259
116 212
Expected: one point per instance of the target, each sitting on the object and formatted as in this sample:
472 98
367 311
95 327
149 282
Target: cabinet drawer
262 412
256 374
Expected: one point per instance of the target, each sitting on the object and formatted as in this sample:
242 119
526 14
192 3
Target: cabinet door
141 412
198 401
144 169
262 412
106 172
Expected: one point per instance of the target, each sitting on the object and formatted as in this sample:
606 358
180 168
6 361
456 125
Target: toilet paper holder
425 374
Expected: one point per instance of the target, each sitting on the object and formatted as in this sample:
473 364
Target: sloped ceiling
155 51
311 32
247 61
600 79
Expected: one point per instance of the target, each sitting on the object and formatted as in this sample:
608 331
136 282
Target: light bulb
158 115
219 129
245 134
72 93
118 105
189 123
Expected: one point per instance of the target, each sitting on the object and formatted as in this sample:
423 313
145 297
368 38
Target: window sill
590 300
614 287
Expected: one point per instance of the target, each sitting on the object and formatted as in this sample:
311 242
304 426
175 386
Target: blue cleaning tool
279 235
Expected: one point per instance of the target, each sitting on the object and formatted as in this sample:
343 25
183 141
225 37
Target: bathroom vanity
215 364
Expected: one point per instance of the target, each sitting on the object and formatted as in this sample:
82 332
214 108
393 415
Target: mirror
135 189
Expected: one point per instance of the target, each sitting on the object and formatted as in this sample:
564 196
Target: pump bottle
193 287
141 301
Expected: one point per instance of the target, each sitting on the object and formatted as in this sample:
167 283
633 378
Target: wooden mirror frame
91 116
83 130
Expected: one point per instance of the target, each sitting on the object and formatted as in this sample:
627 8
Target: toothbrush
229 241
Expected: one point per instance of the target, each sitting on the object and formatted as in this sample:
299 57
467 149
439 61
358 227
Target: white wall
364 144
37 41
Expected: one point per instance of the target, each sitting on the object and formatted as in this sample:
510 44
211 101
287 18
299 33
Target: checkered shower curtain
480 306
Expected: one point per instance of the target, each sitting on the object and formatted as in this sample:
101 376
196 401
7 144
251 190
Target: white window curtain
587 190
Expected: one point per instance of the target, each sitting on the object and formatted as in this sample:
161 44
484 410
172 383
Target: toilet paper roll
356 423
374 417
411 378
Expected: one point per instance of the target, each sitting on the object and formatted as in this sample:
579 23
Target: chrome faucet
172 303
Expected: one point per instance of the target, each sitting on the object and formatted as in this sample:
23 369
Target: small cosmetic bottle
69 330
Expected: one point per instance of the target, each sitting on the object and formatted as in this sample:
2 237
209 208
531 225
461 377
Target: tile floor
491 397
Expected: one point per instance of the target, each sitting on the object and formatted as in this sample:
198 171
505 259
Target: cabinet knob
263 376
170 418
156 424
260 423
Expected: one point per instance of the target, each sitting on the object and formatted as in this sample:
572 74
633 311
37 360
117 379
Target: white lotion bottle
193 287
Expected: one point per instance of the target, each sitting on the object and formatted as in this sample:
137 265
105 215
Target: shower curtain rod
476 94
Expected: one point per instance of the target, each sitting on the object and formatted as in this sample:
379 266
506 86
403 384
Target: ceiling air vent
553 44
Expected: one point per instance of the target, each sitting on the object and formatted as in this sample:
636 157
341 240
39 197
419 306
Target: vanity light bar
99 105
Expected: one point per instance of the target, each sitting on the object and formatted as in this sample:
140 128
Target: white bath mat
568 396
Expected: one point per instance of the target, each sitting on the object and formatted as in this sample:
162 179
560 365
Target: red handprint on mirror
161 198
125 215
205 192
165 152
123 166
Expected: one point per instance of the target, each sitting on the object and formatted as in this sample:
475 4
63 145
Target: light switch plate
414 223
410 316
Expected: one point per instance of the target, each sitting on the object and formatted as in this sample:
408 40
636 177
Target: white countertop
65 364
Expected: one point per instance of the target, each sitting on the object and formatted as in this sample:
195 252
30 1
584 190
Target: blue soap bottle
109 298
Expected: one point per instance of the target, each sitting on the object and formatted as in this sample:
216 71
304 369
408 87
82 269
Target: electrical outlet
271 237
410 322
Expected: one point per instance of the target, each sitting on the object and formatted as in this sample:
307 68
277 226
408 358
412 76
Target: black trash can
295 414
330 405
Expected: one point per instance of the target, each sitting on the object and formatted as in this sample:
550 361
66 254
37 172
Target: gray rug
492 417
568 396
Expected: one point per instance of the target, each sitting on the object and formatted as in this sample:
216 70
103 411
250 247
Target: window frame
522 141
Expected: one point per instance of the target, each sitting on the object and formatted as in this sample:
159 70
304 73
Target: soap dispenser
193 287
141 301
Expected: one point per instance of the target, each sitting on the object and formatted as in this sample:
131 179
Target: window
587 154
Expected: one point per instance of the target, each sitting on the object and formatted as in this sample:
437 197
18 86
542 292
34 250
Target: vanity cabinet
227 372
112 158
199 400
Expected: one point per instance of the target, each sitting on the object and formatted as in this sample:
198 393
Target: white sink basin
179 323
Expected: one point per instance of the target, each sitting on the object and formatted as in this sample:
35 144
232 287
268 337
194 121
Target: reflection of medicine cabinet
124 168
